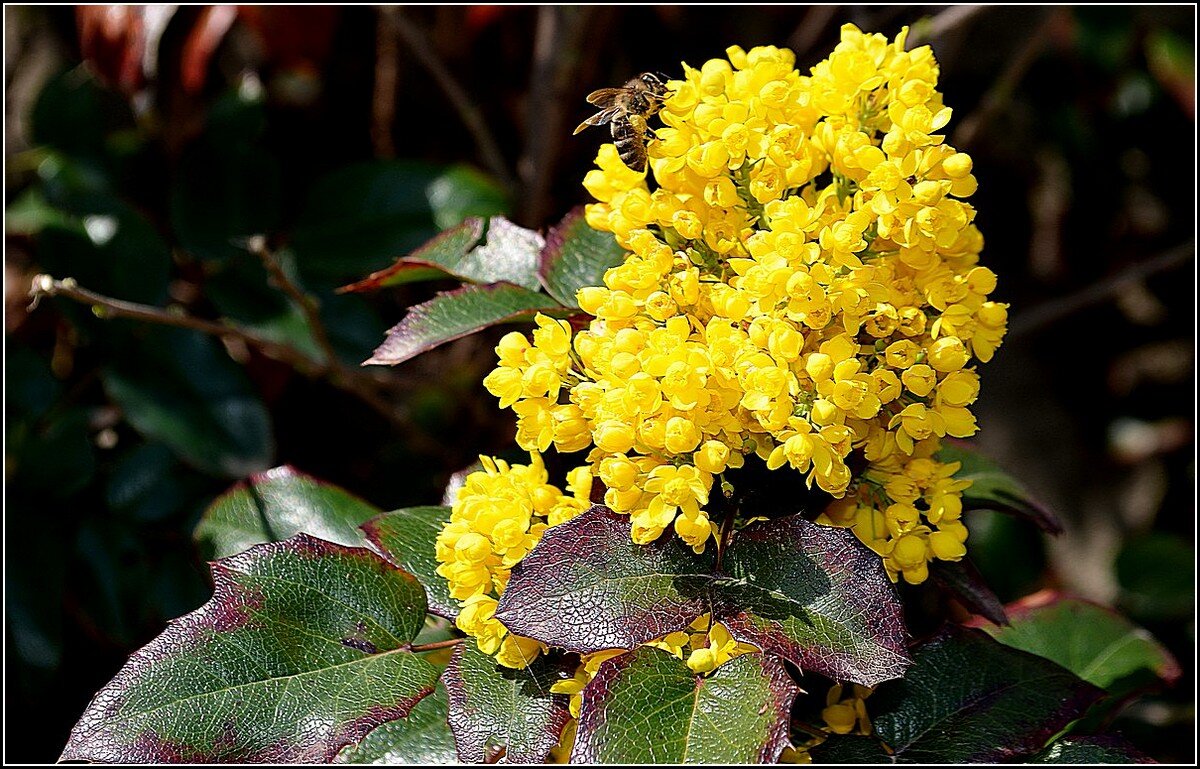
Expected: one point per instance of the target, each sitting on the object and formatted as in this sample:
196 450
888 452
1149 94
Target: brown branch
999 95
557 59
931 28
1056 309
306 302
383 100
107 308
462 102
436 645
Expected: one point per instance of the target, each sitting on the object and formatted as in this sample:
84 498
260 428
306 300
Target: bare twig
436 645
944 22
999 95
383 100
306 302
489 149
342 377
809 30
556 61
1044 314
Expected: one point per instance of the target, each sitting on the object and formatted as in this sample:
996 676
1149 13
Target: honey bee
627 109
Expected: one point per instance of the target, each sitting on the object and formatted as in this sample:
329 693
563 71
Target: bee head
655 82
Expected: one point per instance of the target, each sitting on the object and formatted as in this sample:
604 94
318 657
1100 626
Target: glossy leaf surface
454 314
301 651
407 538
275 505
647 707
575 256
423 737
498 711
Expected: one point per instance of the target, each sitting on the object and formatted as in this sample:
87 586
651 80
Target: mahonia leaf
964 583
1091 750
423 737
812 594
498 711
407 538
850 749
454 314
575 255
510 255
275 505
647 707
968 698
993 489
1093 642
302 650
586 586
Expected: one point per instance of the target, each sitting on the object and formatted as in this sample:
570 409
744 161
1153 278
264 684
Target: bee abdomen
630 143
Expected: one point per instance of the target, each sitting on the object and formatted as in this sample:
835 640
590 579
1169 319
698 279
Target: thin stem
945 21
471 116
436 645
107 308
724 506
306 302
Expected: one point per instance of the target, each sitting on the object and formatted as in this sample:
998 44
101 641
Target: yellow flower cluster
709 646
846 713
802 283
499 515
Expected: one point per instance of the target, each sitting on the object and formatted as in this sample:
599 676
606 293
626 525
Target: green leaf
1156 573
509 254
498 711
993 489
647 707
586 586
407 538
301 651
814 595
454 314
968 698
423 737
1095 643
360 217
811 594
179 387
575 256
275 505
1090 750
461 192
149 484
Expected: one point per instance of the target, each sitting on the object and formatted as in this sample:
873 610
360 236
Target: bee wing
604 97
600 118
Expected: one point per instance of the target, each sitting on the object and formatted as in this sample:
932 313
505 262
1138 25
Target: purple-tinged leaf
276 504
968 698
407 538
422 737
814 595
575 256
1096 643
302 650
435 259
647 707
510 254
965 584
811 594
586 586
454 314
497 711
993 489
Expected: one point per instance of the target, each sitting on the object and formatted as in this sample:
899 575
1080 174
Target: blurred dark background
144 145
